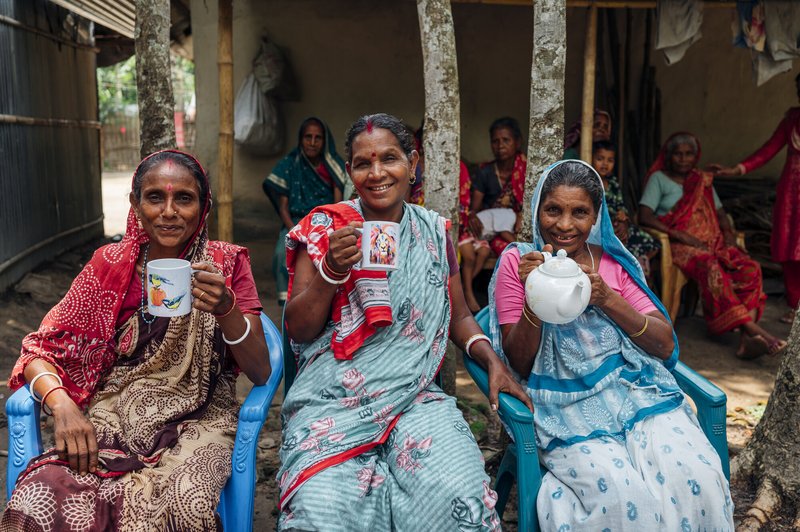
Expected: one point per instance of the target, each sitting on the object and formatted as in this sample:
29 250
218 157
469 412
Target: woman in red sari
680 200
786 212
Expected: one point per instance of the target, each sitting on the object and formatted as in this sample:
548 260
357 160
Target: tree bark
153 76
546 124
771 460
442 141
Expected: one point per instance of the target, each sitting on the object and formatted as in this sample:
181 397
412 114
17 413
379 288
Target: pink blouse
510 293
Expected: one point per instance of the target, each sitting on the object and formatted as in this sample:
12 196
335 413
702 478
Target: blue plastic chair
236 501
521 459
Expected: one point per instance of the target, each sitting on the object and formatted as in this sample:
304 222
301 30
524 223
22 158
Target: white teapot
558 291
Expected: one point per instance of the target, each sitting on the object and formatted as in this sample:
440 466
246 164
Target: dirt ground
748 384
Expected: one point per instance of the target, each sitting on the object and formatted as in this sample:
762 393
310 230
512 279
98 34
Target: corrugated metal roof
118 15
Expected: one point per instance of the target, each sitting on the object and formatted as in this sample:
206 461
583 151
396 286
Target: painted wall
711 93
360 56
353 57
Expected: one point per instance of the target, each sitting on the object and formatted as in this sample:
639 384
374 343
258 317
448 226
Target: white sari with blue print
623 450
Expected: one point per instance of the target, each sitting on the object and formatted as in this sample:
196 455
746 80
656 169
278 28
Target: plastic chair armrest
24 434
711 409
236 500
510 408
701 390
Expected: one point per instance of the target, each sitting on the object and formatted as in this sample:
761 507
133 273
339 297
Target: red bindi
169 187
374 155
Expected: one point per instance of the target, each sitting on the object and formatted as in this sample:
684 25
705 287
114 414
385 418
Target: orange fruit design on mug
157 296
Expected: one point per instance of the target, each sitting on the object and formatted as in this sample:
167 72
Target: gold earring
412 180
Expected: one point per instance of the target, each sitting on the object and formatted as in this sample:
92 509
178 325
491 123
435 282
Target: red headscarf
697 188
77 335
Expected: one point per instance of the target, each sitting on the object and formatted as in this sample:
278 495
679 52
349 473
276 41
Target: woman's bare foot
752 347
788 317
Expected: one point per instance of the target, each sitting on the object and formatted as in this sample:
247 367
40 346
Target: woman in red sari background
680 200
786 212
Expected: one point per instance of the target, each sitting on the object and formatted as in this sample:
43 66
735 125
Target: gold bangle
641 332
525 313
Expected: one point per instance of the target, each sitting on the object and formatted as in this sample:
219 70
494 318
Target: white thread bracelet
34 379
472 339
240 340
328 279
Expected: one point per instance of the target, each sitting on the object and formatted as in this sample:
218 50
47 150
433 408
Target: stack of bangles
530 316
43 399
328 273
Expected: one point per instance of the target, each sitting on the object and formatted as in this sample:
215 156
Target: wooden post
589 71
225 151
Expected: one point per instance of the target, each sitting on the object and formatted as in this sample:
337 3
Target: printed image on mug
379 241
169 287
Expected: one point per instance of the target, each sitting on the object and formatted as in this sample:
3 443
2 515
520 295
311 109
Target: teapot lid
561 266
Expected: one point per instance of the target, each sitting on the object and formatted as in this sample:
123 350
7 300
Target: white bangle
240 340
34 379
472 339
328 279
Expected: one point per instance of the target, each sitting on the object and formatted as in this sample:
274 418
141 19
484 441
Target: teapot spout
571 305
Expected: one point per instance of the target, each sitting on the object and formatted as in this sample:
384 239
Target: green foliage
116 85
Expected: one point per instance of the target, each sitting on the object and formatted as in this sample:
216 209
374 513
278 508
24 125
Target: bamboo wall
49 136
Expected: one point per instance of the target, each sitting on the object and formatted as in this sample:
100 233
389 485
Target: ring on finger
202 293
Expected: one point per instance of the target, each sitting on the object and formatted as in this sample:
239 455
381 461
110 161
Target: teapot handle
547 255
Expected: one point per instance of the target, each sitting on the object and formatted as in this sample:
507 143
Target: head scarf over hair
573 134
601 234
295 176
77 335
661 162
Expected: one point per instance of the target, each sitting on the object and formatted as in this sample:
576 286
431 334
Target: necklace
143 307
590 254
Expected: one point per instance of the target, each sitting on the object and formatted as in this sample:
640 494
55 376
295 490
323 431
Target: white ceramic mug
379 245
169 287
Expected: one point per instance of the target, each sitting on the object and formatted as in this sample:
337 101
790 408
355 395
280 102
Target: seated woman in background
623 450
680 200
601 130
370 442
312 174
154 445
643 246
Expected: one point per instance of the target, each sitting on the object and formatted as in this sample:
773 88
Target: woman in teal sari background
623 450
311 175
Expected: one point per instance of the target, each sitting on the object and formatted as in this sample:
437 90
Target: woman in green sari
311 175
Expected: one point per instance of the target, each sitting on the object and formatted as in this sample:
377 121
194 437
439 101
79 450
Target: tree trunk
153 76
771 460
546 125
442 141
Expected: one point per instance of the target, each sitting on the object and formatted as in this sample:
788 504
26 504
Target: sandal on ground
787 318
753 347
777 347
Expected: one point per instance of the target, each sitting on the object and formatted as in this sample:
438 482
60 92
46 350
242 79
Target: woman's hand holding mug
343 249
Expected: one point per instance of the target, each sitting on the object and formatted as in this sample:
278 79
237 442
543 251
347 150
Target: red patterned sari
729 280
161 397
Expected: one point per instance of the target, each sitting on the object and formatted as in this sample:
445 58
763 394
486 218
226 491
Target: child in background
642 245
